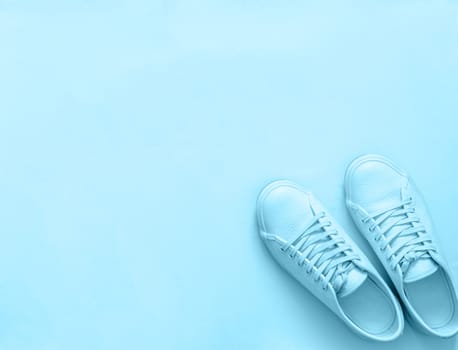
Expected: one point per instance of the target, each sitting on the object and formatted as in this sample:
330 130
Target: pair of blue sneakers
389 211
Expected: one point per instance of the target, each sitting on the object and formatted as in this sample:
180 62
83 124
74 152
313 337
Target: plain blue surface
135 136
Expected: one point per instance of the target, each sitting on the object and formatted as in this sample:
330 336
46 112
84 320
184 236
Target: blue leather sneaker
307 242
390 213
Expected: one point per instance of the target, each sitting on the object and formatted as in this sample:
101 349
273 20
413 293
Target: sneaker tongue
355 278
419 269
391 199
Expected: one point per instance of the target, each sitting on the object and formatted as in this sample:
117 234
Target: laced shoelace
325 254
417 241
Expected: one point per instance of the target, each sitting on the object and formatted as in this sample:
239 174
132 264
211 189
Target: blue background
136 135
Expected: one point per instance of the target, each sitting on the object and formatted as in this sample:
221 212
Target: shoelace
419 242
324 253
